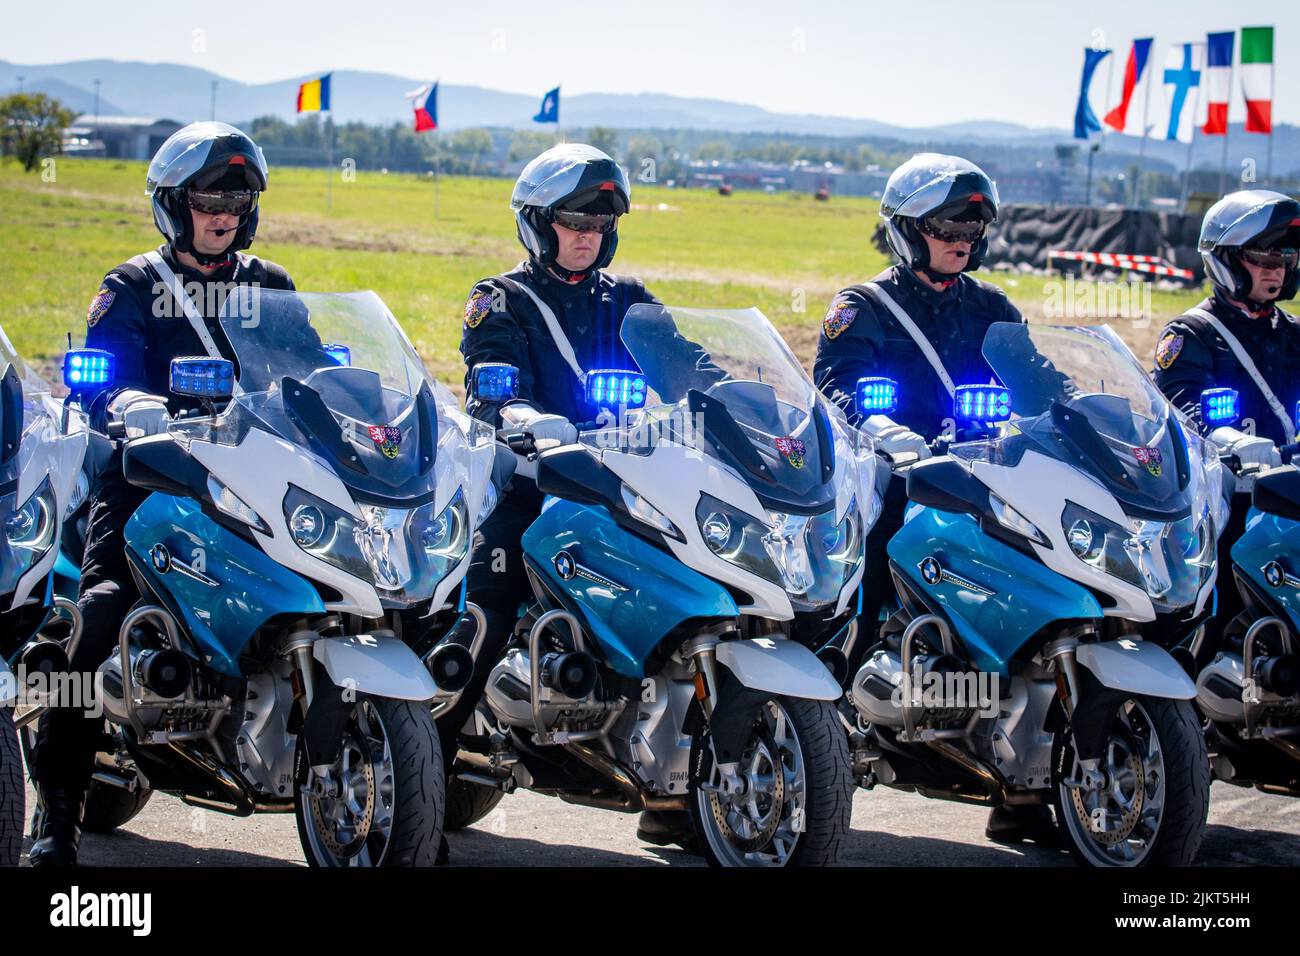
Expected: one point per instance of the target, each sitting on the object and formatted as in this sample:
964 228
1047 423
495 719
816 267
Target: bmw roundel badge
565 566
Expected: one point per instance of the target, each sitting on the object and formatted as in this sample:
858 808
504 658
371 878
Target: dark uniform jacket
1191 357
502 324
134 316
861 337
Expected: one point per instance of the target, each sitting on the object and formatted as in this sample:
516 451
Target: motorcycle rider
204 183
555 315
1240 338
922 323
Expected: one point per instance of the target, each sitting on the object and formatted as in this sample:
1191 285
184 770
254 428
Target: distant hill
183 93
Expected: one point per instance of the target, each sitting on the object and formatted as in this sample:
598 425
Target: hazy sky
910 63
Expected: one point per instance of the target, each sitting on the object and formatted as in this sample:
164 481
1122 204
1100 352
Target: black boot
668 828
60 833
1015 824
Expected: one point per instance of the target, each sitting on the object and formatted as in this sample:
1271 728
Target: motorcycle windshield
335 373
1081 397
748 399
30 422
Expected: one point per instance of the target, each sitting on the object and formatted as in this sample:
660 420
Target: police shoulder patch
477 308
838 318
99 305
1171 343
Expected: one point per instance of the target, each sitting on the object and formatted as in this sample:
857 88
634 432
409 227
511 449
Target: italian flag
1257 78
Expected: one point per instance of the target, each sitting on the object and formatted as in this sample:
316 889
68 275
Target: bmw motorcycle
1047 561
40 452
1249 690
697 542
301 560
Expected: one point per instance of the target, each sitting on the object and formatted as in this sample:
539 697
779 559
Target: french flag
425 102
1137 80
1218 82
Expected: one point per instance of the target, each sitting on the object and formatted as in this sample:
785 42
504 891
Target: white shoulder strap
1239 350
557 333
187 305
921 341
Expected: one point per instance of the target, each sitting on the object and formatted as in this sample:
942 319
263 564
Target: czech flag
425 104
1137 77
314 95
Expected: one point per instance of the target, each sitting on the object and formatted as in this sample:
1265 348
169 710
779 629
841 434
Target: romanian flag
314 95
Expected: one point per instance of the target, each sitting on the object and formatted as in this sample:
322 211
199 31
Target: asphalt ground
889 828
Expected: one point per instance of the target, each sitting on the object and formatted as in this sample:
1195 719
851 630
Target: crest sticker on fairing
387 437
1151 459
838 318
1167 350
793 450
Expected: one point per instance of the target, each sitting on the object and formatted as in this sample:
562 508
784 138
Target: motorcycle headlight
446 538
30 528
326 532
1167 560
810 556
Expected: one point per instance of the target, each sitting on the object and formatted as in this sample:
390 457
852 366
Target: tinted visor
1271 258
585 222
952 230
215 202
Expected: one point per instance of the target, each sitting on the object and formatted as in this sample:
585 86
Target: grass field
787 254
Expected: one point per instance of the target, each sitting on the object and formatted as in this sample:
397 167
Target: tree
32 125
526 143
470 146
604 138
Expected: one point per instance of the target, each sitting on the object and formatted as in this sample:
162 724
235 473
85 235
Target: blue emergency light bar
981 403
615 388
876 395
494 382
339 353
203 377
1220 406
87 369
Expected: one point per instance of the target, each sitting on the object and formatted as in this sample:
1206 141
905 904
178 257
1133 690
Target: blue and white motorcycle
1043 570
1248 690
40 456
694 549
308 530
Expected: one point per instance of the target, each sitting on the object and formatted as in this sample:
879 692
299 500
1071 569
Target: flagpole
1146 126
1227 124
329 163
1187 169
1272 104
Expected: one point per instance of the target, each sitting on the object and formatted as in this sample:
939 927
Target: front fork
703 651
1062 652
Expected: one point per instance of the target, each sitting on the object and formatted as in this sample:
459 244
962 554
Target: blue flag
1085 120
550 111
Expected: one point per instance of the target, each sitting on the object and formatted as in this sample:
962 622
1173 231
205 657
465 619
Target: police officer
555 315
204 183
1239 338
922 323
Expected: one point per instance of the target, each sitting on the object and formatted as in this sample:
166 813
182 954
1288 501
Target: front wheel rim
348 812
761 824
1118 822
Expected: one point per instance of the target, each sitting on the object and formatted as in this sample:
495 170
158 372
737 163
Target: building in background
117 137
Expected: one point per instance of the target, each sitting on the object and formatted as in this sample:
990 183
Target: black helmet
1251 218
935 186
204 156
574 177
